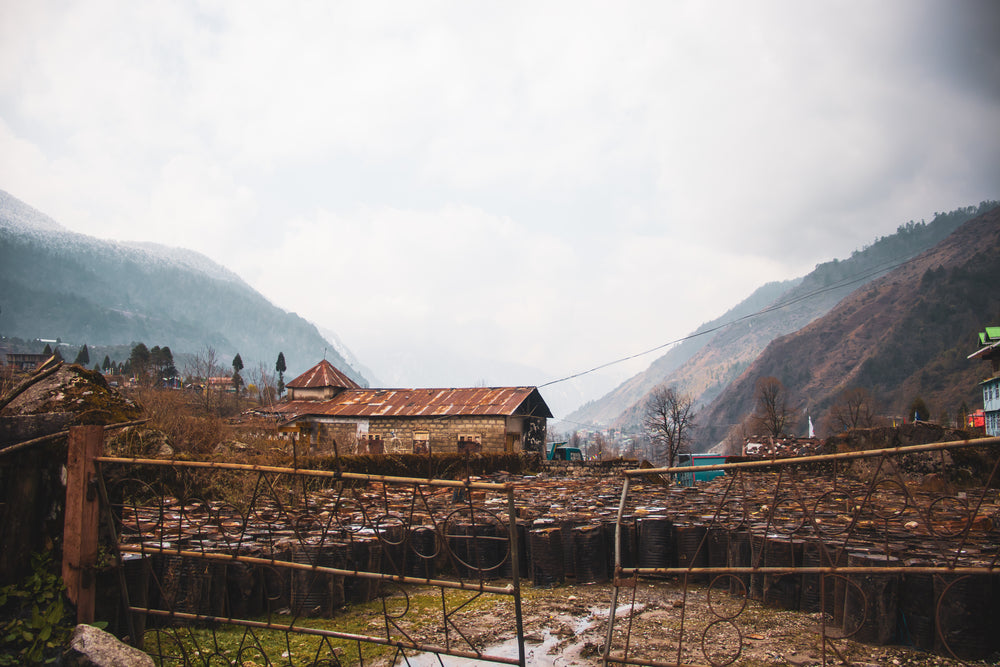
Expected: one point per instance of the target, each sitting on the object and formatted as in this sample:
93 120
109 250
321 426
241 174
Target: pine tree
162 361
166 360
281 368
139 361
237 367
83 356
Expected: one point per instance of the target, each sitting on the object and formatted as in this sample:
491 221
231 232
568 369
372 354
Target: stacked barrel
566 533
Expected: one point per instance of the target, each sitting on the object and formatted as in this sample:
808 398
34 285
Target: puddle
535 654
620 610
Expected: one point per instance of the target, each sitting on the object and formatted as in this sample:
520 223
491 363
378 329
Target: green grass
224 643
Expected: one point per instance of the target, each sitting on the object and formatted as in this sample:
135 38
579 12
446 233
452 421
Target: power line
880 268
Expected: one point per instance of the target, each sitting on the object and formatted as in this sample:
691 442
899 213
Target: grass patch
418 615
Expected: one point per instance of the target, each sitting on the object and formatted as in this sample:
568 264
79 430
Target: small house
989 350
25 361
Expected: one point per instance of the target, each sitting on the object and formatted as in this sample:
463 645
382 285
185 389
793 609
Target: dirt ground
566 626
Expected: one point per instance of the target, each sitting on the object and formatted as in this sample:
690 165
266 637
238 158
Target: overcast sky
551 185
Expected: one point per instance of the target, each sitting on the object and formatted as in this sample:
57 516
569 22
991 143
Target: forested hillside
730 350
903 336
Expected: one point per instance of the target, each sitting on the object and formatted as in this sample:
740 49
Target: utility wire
880 268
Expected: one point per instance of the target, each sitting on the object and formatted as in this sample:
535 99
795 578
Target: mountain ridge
723 356
609 407
61 283
904 335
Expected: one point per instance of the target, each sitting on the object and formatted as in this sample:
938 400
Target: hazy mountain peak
188 258
61 284
15 214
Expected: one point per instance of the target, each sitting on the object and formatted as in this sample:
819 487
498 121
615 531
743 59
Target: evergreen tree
165 362
281 368
237 367
161 360
48 350
919 410
139 362
107 365
83 356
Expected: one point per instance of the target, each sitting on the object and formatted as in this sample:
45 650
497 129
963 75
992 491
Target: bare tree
200 369
668 419
263 383
854 408
738 436
601 445
772 415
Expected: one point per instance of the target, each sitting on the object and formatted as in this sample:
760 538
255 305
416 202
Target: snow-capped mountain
55 283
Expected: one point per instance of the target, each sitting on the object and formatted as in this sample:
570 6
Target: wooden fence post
81 525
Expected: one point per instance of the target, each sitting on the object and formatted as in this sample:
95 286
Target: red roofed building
329 407
322 381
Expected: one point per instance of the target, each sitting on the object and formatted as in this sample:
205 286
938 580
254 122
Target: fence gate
849 539
275 553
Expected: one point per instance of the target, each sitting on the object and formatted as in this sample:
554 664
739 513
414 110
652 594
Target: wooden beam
82 516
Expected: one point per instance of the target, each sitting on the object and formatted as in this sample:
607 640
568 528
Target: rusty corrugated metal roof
505 401
323 374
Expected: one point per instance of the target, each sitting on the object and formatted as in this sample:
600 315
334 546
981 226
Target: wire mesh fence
256 578
854 540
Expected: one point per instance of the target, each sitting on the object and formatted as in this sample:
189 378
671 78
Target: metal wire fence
852 539
259 570
421 556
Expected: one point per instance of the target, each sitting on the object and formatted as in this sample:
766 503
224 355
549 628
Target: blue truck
689 478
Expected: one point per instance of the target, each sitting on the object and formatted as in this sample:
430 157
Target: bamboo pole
331 474
843 456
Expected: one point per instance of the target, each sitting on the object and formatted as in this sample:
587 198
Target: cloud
463 280
551 185
458 275
196 198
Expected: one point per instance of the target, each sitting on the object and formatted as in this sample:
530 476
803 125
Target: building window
374 444
421 442
470 443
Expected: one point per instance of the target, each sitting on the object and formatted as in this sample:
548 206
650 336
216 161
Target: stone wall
441 435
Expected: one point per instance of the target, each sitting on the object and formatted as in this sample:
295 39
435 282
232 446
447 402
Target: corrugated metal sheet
323 374
505 401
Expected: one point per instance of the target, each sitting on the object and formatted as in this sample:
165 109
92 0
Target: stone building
335 415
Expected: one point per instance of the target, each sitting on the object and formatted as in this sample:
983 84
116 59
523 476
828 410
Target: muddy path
567 625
